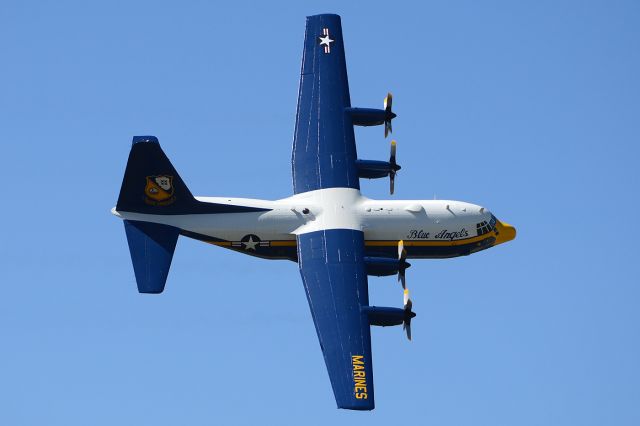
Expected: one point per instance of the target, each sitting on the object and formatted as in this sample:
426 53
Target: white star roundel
325 40
250 244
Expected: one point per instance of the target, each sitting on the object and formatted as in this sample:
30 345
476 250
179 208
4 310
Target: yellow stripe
426 243
380 243
286 243
220 243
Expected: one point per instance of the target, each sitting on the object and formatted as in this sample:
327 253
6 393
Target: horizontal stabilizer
151 246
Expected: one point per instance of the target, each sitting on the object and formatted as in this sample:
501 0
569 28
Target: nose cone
506 232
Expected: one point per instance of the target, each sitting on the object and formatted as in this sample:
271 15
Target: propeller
394 167
389 115
408 314
403 264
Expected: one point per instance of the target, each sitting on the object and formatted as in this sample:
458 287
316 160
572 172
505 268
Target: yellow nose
506 232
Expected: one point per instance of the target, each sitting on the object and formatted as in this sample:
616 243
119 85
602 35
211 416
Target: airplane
337 236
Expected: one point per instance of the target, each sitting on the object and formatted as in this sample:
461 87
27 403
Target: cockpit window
485 227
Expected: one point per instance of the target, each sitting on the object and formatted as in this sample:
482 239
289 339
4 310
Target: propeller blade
407 328
402 278
408 305
402 253
402 264
388 102
392 157
394 166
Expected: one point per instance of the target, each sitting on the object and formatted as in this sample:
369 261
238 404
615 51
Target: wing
324 149
335 279
332 261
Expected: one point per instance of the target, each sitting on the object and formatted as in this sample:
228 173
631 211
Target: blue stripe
432 252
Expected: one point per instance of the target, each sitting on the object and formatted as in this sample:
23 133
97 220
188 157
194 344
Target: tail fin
151 184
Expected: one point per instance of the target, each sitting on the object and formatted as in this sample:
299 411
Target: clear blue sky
532 110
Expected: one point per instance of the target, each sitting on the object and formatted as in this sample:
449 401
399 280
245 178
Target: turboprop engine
375 169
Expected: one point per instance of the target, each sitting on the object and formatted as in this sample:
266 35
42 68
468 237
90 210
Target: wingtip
144 139
324 15
368 407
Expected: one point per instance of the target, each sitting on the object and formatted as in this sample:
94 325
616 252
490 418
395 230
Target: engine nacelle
385 317
375 169
384 266
369 116
373 116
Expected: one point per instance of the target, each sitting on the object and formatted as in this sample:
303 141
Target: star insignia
326 40
250 245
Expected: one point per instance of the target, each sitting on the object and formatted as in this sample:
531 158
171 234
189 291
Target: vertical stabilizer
151 184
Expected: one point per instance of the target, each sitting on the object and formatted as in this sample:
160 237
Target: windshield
485 227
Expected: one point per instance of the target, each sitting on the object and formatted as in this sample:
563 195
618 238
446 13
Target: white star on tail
326 40
250 245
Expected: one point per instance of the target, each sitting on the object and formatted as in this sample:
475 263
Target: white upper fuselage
333 208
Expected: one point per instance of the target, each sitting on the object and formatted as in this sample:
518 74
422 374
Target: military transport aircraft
337 236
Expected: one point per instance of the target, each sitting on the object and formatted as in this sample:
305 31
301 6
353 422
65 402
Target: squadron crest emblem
159 190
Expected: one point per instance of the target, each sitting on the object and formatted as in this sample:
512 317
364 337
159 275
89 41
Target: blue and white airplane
337 235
